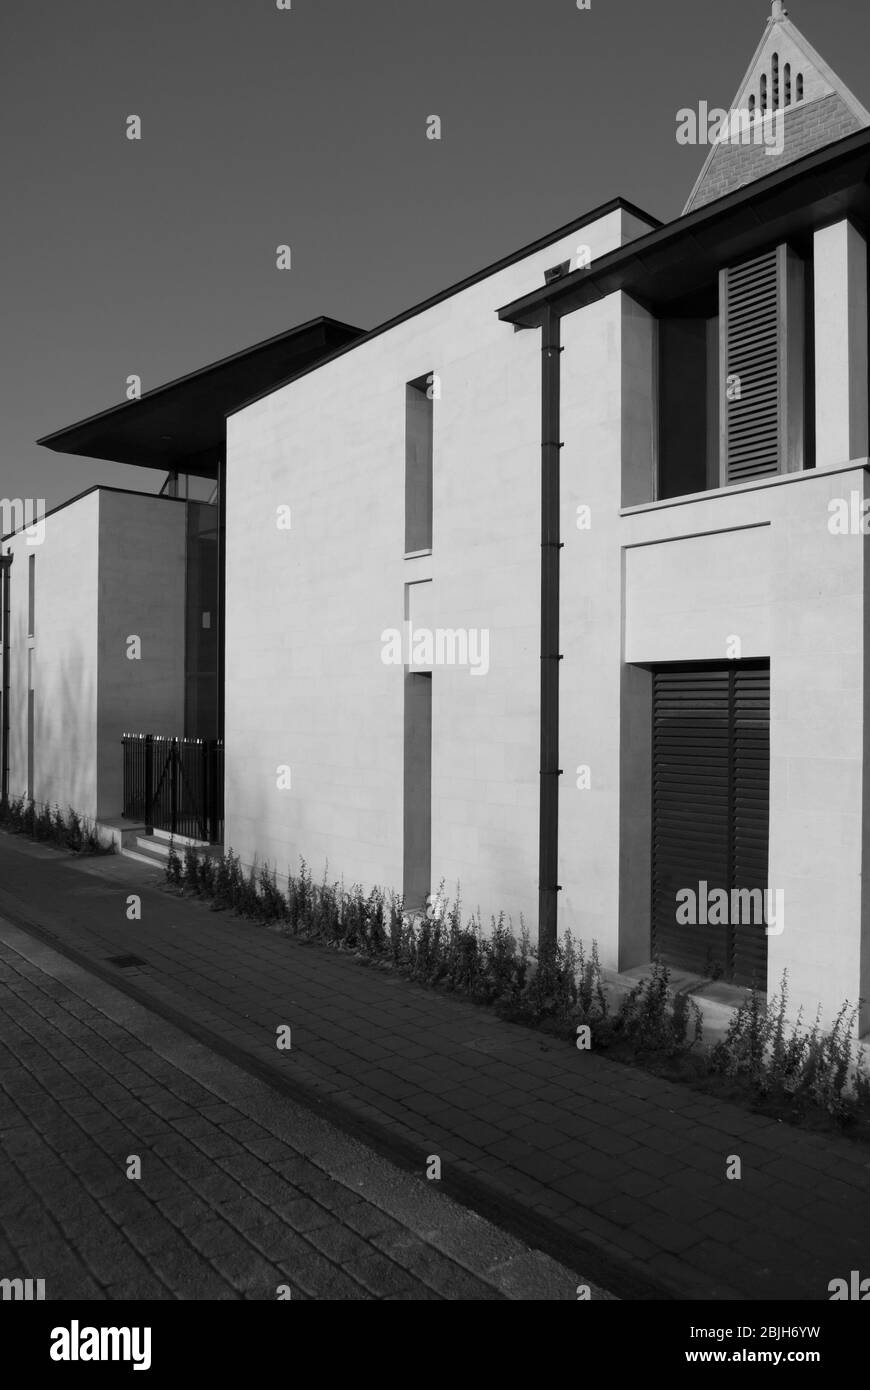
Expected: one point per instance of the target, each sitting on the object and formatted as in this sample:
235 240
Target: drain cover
126 962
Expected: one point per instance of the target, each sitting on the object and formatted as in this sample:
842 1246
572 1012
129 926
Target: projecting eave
183 423
668 266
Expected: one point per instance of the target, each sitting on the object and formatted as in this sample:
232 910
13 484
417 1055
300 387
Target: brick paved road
606 1168
236 1196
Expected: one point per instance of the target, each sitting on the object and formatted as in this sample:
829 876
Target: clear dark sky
307 127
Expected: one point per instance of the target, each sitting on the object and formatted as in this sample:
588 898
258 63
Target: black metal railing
175 784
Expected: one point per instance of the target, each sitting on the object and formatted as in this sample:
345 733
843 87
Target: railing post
205 783
218 785
149 784
173 787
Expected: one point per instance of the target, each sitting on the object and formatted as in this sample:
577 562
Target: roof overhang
183 425
669 266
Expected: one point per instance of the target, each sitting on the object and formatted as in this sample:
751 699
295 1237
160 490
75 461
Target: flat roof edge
95 487
613 205
54 439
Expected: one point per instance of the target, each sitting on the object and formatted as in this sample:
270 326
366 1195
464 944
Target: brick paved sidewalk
601 1165
237 1197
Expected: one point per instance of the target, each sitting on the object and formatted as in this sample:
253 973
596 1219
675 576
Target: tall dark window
419 420
688 421
31 718
202 624
417 811
31 595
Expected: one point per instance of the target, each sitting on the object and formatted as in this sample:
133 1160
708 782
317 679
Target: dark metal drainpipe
548 830
222 592
5 625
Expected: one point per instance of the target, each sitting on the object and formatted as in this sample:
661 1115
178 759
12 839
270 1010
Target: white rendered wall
597 410
678 581
306 607
840 292
110 565
64 667
792 591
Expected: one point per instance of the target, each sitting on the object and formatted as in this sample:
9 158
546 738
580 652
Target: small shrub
190 874
43 825
73 830
375 929
647 1019
207 876
814 1068
551 990
13 814
305 898
235 881
524 956
91 842
592 1003
47 826
245 900
174 870
502 962
270 900
396 930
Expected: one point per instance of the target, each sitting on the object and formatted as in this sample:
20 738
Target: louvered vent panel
752 313
711 773
691 810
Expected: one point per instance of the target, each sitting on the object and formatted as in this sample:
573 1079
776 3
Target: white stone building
618 479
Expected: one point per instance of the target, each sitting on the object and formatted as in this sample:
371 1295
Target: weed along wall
764 1061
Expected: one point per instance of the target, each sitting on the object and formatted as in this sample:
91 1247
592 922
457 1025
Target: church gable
789 103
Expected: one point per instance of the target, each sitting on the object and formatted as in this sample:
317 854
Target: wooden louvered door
710 811
762 368
691 797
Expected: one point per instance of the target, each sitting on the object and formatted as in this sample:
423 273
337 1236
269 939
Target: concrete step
158 849
167 838
152 860
154 849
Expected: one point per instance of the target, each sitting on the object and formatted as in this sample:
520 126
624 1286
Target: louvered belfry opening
752 369
762 366
710 814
